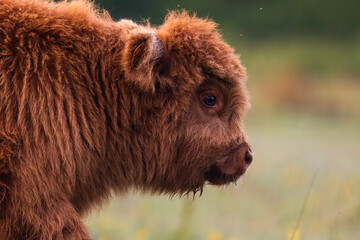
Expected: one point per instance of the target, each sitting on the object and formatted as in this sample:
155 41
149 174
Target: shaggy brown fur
89 106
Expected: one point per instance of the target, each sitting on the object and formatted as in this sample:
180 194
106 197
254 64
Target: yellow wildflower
294 235
214 236
142 234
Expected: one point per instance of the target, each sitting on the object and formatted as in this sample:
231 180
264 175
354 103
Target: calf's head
192 99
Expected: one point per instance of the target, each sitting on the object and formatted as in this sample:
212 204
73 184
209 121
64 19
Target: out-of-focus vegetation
303 63
255 18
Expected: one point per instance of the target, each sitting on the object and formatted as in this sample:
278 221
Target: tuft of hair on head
183 21
182 25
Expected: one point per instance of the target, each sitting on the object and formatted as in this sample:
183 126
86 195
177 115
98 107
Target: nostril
248 157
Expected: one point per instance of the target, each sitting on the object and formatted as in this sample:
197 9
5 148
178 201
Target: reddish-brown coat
89 106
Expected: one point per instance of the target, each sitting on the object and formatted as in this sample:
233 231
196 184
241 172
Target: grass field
304 123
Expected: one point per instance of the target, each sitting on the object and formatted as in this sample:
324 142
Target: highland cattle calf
89 106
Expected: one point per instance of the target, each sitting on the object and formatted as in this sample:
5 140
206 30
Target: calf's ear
143 55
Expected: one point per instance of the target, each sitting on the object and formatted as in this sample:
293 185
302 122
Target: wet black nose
248 157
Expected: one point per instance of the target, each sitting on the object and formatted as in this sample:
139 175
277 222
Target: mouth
231 167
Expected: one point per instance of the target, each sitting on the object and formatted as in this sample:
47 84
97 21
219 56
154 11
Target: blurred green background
303 63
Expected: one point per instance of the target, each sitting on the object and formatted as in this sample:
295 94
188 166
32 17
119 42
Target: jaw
216 176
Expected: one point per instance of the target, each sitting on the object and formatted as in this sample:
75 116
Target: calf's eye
209 100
